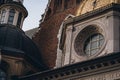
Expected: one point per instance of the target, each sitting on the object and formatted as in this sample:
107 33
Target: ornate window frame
83 35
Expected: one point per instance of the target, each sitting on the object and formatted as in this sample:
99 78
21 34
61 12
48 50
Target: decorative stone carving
105 76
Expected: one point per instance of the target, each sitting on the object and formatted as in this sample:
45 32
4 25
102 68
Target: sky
35 9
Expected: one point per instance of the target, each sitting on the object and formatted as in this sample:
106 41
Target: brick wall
46 38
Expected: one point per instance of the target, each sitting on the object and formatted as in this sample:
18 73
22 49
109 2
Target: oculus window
89 41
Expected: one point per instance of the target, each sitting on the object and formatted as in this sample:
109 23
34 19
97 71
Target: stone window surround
82 35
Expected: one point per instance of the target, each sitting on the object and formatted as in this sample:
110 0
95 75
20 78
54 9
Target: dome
89 5
14 42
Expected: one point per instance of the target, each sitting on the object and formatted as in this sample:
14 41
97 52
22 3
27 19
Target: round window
89 41
93 44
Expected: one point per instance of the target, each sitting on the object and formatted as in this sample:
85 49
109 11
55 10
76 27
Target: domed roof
13 41
89 5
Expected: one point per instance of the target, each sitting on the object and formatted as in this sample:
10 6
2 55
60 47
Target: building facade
59 12
78 40
79 37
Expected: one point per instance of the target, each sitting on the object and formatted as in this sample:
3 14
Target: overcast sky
35 9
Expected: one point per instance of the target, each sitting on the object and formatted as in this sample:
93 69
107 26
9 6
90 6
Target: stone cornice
104 63
104 9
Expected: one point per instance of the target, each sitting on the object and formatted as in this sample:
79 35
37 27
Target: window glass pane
87 52
101 42
101 36
87 47
93 51
94 38
93 44
11 16
11 13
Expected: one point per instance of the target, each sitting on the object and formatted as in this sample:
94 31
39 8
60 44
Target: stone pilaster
68 44
16 18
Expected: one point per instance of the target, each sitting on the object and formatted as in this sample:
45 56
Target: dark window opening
59 2
19 19
68 3
11 16
78 1
58 5
2 1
